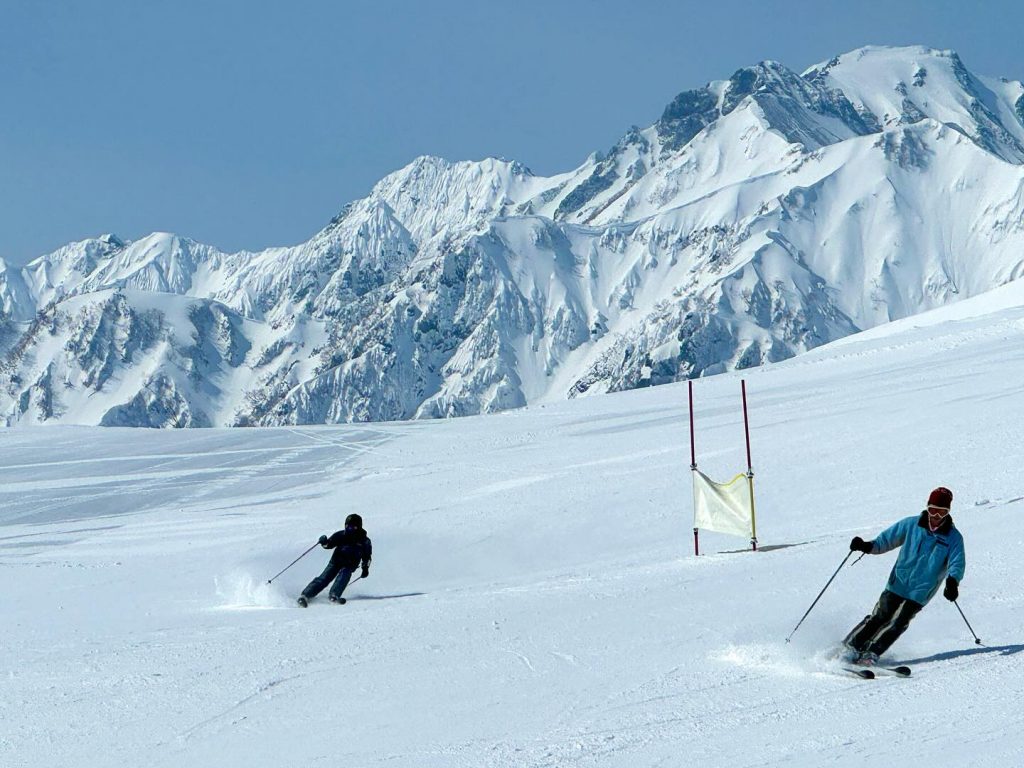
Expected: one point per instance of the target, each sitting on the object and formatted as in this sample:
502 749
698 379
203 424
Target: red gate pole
693 466
750 470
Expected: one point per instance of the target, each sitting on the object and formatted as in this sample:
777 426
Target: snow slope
533 600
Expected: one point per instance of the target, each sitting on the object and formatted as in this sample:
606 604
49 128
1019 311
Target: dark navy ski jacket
925 558
350 546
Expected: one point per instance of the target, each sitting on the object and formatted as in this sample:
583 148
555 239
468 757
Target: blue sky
246 124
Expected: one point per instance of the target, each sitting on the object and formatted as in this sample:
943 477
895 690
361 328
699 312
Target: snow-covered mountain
759 217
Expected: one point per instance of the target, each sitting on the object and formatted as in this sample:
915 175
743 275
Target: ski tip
861 672
902 671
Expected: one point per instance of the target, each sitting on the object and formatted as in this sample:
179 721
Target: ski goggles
936 517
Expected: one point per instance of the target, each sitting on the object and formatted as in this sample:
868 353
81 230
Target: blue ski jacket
925 559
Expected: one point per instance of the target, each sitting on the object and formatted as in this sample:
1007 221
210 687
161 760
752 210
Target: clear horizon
249 125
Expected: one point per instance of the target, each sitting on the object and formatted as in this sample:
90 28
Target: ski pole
819 595
977 640
293 562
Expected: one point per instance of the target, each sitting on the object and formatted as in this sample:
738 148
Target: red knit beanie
941 498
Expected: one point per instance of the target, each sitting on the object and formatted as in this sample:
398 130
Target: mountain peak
893 86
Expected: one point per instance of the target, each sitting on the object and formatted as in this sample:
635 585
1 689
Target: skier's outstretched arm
892 537
332 541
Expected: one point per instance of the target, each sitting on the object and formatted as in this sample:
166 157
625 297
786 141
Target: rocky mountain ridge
759 217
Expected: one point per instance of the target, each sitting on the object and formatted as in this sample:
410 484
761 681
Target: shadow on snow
1002 650
386 597
764 548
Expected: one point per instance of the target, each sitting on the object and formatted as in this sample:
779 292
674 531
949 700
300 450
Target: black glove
323 540
365 573
859 545
952 590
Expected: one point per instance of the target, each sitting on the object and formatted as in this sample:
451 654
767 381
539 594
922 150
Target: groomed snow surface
534 599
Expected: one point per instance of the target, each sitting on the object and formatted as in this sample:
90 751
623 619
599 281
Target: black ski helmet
353 521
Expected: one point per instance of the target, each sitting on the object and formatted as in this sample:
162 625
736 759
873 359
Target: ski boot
866 659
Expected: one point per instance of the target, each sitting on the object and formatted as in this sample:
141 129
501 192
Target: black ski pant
339 573
890 619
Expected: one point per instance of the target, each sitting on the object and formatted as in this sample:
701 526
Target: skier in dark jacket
932 550
351 547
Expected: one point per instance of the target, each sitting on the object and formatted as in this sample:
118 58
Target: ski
901 671
861 672
847 662
870 674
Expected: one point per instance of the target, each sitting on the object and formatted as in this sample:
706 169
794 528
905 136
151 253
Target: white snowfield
534 600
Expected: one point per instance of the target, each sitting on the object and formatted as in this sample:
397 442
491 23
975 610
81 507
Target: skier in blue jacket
932 549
